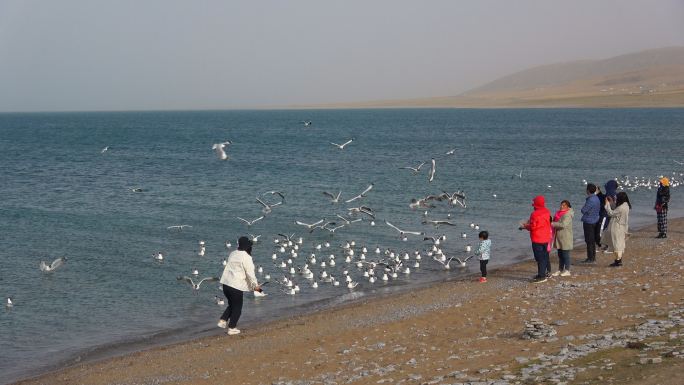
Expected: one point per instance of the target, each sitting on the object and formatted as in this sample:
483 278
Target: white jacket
239 272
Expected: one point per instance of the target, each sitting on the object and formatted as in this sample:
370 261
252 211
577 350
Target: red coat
540 222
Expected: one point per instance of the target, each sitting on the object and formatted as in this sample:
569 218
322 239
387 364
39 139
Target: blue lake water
61 197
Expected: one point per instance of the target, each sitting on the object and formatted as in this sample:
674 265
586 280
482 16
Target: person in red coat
539 227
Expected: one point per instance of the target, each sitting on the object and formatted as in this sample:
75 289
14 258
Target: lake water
61 197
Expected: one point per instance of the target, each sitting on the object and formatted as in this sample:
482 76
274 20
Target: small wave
346 297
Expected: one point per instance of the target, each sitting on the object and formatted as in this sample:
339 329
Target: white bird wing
258 219
432 170
43 266
304 224
242 219
335 144
368 189
409 168
679 163
57 262
421 165
188 280
210 279
349 141
262 203
392 226
219 150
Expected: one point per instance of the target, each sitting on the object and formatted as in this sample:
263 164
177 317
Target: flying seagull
451 152
432 170
310 227
335 198
197 286
680 163
306 123
341 147
415 170
518 175
218 147
437 223
48 268
267 208
105 149
252 222
358 197
180 228
274 192
402 232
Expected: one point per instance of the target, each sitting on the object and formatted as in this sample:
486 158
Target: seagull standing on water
218 147
48 268
10 304
342 146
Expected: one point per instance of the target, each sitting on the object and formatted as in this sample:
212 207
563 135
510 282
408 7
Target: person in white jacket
238 277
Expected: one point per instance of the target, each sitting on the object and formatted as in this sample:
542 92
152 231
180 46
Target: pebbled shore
600 325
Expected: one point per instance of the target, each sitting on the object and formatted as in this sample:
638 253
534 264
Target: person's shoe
556 273
589 261
565 273
233 332
222 324
660 235
664 235
607 252
481 280
540 279
618 262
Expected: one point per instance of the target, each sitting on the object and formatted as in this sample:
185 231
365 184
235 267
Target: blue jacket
590 211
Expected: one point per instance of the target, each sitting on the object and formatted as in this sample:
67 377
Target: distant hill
567 72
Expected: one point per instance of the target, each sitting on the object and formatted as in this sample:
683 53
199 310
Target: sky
95 55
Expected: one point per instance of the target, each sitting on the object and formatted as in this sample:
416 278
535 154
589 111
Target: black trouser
483 267
234 309
589 240
597 229
541 255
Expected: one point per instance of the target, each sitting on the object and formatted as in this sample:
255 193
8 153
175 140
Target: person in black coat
662 199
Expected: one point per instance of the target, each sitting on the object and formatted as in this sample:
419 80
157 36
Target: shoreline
412 305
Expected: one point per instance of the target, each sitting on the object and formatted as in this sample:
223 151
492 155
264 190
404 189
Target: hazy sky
145 55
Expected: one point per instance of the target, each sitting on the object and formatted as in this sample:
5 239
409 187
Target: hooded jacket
611 190
239 271
539 224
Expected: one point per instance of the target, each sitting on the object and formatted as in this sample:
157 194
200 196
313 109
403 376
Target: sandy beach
600 325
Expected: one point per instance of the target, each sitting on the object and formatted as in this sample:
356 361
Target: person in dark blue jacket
590 216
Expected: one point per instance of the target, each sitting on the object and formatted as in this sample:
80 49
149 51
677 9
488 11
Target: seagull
432 170
679 163
467 248
52 266
218 147
362 209
137 189
195 272
462 263
197 286
519 175
444 263
105 149
274 192
335 198
180 228
306 123
219 301
437 223
267 208
249 224
341 147
289 290
464 235
310 227
451 152
402 232
415 170
201 243
347 222
158 256
358 197
332 231
229 245
255 238
10 304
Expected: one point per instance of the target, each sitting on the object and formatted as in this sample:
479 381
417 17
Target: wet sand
456 332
